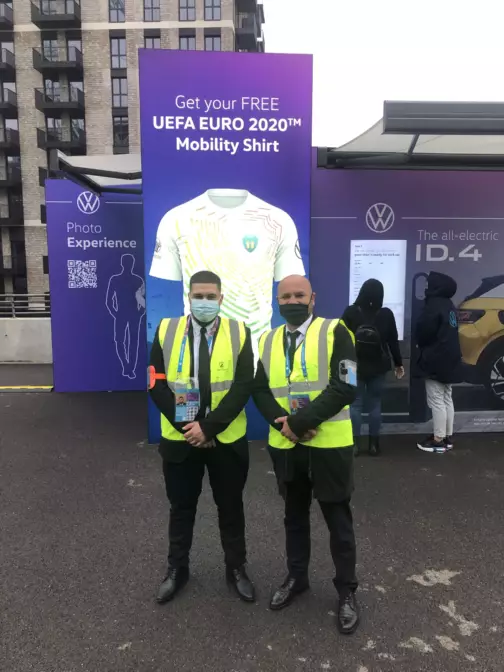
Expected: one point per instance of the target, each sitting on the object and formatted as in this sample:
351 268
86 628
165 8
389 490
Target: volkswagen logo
380 218
88 203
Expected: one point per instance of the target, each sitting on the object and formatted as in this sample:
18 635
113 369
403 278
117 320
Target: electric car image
481 331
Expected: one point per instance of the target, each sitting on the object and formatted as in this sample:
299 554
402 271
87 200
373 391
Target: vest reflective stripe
227 346
335 432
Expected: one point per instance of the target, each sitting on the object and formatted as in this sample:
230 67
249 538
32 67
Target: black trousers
298 495
227 472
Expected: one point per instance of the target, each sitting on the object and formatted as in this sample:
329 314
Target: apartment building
69 81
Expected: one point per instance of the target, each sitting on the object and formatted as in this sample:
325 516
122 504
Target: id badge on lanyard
297 400
187 394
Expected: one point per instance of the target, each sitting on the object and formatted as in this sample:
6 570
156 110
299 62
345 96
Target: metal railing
10 172
57 7
25 305
49 55
7 57
60 95
66 135
6 13
9 135
15 265
8 97
10 211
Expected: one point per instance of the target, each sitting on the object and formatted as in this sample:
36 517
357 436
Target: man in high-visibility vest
201 376
306 379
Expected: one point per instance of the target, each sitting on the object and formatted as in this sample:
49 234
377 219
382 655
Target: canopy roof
101 173
468 136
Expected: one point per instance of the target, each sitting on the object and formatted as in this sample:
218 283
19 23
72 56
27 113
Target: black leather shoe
289 589
374 446
173 582
348 615
240 582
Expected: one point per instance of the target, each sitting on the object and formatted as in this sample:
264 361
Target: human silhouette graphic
125 302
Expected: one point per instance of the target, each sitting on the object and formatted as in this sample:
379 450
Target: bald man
305 382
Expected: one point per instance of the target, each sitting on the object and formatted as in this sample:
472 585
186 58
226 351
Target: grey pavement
83 523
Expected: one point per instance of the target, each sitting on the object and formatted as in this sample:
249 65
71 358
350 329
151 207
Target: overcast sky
368 51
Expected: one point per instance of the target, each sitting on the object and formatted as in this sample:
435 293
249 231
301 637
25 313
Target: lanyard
303 362
209 338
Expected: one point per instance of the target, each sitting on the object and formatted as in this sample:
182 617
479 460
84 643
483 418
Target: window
152 11
118 53
187 10
213 11
187 43
54 128
212 43
77 129
116 11
74 48
119 92
121 131
52 90
50 49
152 42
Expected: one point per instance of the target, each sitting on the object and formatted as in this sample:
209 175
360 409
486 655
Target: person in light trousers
439 358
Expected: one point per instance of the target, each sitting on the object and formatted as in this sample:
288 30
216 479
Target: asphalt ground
83 525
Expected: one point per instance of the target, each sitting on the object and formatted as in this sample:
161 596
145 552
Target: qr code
82 275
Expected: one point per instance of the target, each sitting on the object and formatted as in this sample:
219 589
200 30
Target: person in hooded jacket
376 340
439 358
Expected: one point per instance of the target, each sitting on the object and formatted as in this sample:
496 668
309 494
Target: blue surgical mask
205 310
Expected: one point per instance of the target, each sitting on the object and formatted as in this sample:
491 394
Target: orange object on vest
153 376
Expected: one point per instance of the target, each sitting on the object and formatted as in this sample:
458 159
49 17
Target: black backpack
368 343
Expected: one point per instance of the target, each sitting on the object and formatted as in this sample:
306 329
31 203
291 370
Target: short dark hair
205 278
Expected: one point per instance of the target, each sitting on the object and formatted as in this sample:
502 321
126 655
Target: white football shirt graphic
246 241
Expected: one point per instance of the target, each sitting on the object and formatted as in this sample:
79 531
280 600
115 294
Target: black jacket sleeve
266 403
393 338
337 394
233 403
161 394
427 327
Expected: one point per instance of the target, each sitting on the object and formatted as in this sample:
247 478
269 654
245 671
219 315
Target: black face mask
295 313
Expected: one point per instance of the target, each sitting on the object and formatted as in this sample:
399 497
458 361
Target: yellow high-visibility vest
335 432
227 345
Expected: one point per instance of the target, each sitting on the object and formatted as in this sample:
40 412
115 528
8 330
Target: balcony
65 99
56 14
6 17
11 215
12 266
9 140
10 175
66 139
7 65
8 104
57 60
248 32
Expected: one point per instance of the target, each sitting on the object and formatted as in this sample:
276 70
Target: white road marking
124 647
494 628
380 589
390 569
416 644
433 577
132 484
302 660
270 473
331 613
362 669
269 647
386 656
471 659
466 628
370 645
326 666
448 643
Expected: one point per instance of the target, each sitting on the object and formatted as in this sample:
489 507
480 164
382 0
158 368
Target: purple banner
397 226
226 146
96 264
